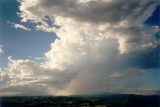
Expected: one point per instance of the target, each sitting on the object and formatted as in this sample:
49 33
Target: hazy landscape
118 100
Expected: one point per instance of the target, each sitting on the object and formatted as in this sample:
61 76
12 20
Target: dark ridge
111 100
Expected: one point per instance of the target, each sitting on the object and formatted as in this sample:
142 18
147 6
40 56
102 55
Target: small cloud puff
1 50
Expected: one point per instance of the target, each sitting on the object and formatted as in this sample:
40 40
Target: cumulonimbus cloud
103 46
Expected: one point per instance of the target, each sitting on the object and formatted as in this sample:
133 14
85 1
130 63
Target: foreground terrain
82 101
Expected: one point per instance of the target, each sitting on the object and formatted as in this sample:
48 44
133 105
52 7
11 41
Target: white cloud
97 49
32 78
19 26
45 28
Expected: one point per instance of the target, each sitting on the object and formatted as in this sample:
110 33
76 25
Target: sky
75 47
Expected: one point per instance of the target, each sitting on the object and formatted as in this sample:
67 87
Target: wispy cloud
19 26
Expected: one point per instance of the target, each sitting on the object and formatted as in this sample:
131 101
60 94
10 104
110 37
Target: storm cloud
102 46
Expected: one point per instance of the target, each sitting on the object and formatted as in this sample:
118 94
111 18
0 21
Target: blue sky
126 57
18 43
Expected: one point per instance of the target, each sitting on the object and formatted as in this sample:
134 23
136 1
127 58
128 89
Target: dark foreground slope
83 101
